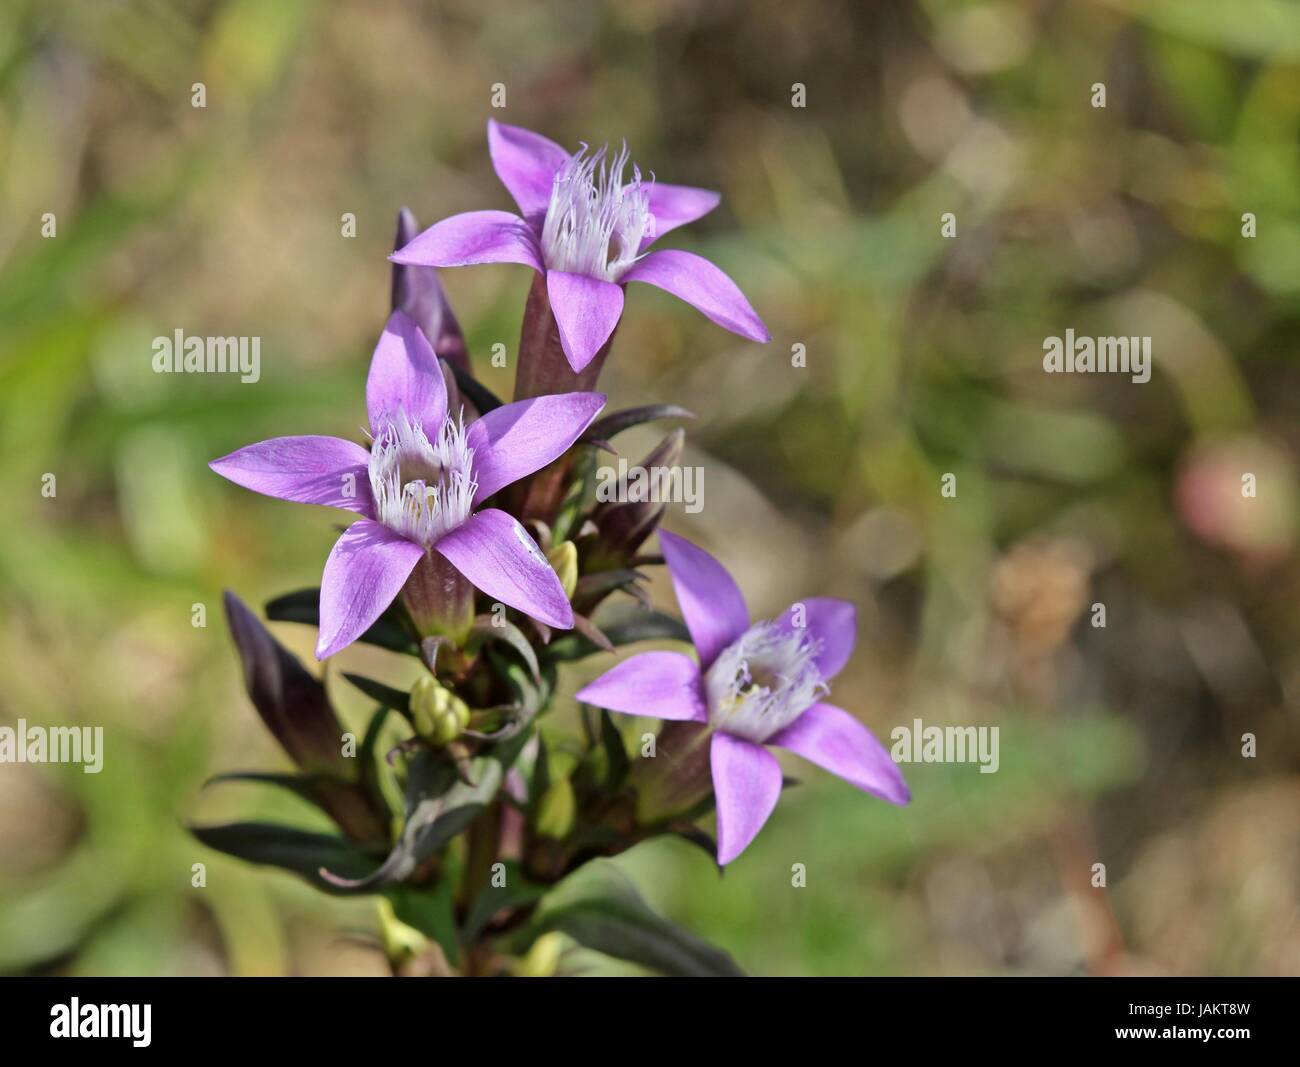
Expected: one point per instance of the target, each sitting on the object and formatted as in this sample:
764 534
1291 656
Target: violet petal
308 470
831 622
676 205
834 740
474 237
702 285
711 603
586 311
746 784
498 556
663 685
516 439
526 163
363 575
405 375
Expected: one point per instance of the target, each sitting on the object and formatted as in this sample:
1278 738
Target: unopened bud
542 959
556 810
401 941
438 714
625 525
564 559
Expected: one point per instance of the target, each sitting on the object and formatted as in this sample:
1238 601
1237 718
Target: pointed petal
405 375
663 685
712 605
516 439
746 783
834 740
309 470
697 281
833 623
363 575
496 554
474 237
676 205
586 311
526 163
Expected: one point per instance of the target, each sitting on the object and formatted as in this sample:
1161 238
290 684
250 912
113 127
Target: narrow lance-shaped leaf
299 851
618 421
621 624
439 806
488 629
304 606
600 908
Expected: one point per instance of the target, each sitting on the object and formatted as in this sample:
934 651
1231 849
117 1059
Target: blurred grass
1119 745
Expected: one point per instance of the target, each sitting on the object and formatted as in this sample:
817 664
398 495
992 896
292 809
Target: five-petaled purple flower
755 685
417 489
586 230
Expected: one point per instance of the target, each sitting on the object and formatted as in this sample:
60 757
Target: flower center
595 223
422 489
763 681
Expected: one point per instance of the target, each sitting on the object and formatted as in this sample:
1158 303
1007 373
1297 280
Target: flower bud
542 959
564 559
556 810
418 292
624 525
438 714
401 941
291 702
677 777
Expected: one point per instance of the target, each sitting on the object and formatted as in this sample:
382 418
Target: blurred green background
1119 745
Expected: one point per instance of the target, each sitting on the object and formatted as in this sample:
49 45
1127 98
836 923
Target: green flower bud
401 941
542 959
438 714
556 810
564 559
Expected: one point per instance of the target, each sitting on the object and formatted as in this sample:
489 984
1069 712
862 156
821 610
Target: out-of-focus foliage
1120 745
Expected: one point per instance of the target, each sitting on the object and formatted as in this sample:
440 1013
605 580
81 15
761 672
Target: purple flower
755 685
418 487
586 230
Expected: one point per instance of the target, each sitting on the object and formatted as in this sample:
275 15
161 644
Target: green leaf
623 624
386 695
605 428
437 810
600 908
616 760
302 785
373 769
303 853
304 606
486 629
530 695
518 890
430 910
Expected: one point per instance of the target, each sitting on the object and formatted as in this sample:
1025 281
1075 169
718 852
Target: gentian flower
419 489
755 685
586 230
